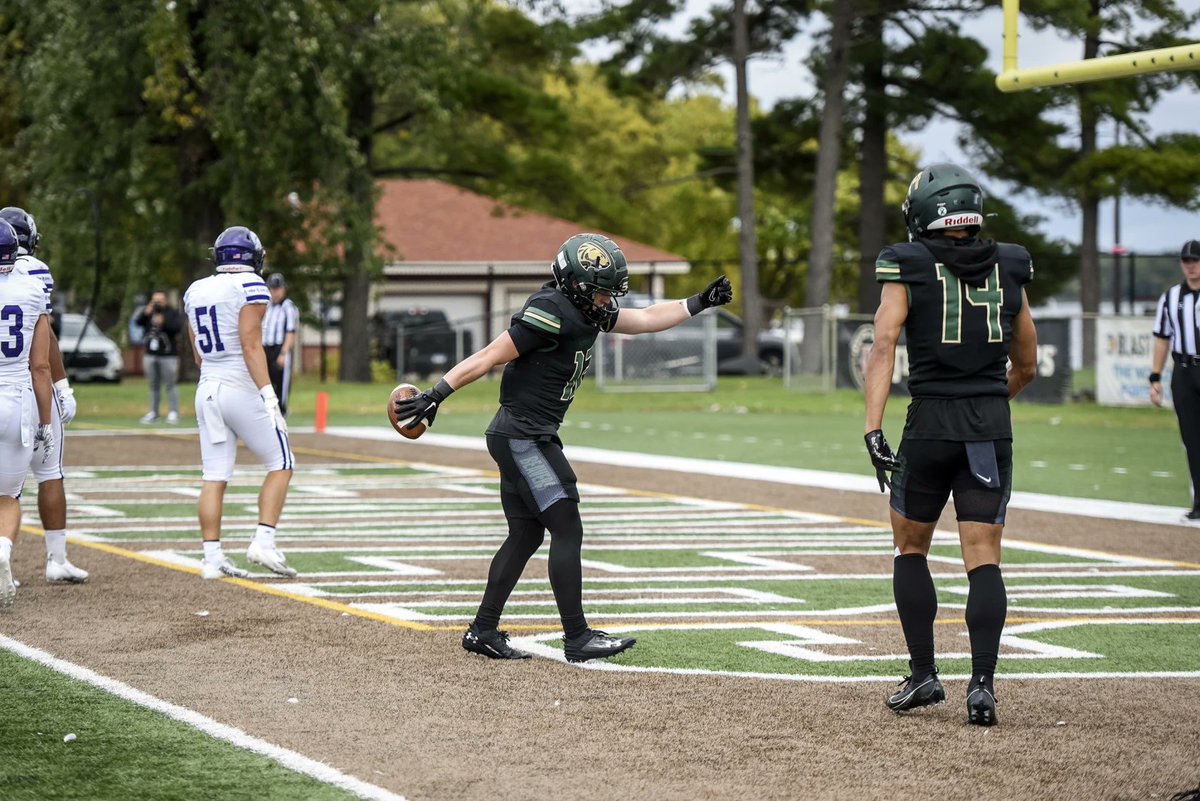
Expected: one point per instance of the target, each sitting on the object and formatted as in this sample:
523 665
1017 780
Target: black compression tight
525 536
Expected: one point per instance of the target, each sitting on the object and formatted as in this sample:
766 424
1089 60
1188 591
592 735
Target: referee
1177 328
279 338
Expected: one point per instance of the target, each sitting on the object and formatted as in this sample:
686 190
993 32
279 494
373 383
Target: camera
158 307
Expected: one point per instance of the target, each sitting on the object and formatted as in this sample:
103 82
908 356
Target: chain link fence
683 359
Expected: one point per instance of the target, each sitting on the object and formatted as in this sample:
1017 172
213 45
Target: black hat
276 279
1191 250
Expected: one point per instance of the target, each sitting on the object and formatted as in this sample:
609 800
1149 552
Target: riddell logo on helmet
962 219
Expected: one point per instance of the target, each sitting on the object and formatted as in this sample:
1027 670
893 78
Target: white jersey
213 306
22 302
36 268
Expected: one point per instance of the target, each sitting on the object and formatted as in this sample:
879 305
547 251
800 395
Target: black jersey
555 342
962 298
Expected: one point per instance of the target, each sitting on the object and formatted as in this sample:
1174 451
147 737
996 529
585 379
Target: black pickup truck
430 342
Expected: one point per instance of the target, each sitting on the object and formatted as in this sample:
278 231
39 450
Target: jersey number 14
989 297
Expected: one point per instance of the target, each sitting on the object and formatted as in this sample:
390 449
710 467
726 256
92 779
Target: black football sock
524 538
916 602
566 572
987 606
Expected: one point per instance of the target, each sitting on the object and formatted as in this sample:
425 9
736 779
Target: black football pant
538 494
1185 388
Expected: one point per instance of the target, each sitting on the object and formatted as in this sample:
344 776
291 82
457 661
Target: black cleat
926 691
491 643
1192 518
593 644
981 703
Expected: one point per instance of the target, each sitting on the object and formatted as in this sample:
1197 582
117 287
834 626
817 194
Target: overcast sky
1145 228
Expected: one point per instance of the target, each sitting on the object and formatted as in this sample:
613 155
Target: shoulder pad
906 262
1016 261
542 312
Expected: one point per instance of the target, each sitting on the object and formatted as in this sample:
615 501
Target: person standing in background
162 325
279 338
1175 329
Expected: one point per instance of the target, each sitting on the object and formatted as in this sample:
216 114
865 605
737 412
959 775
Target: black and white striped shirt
280 320
1176 320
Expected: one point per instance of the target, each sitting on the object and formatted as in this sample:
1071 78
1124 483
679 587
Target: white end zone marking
218 731
537 644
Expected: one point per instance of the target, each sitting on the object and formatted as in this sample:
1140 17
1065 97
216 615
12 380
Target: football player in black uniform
961 303
546 351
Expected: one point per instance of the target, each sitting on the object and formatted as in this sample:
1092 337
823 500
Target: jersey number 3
208 340
14 317
989 296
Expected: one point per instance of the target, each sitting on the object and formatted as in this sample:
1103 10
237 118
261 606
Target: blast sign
1124 347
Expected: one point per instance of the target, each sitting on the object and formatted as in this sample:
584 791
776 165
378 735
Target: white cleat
64 572
225 569
8 589
270 558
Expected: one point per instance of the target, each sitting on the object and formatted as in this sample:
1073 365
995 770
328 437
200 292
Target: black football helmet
940 197
23 223
587 264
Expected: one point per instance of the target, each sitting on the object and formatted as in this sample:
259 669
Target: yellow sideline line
266 589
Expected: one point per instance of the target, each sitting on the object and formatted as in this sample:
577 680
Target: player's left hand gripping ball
881 456
718 293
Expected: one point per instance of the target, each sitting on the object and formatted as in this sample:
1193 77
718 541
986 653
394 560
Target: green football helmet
587 264
942 196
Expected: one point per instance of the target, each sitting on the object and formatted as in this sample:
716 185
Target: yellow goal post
1015 79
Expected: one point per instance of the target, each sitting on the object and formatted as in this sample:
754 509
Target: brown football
400 393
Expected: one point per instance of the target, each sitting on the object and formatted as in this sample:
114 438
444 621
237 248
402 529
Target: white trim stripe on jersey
1176 319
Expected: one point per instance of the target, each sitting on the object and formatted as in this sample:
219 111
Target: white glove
66 400
271 403
43 441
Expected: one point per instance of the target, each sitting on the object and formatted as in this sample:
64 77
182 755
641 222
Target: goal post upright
1014 79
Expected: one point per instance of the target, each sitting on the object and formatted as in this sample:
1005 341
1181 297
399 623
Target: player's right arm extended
889 320
499 351
1022 351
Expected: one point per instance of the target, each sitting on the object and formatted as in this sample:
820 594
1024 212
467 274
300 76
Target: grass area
121 750
1078 449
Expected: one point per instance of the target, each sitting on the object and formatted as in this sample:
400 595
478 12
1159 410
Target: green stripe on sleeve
534 322
544 317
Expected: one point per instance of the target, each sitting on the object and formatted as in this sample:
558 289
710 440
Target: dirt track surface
410 711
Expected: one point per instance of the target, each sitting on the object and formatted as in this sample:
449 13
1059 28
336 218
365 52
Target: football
400 393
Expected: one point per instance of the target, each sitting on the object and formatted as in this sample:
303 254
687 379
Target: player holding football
235 399
52 496
961 303
547 350
25 390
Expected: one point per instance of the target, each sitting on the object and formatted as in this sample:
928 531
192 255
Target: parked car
87 353
729 341
431 343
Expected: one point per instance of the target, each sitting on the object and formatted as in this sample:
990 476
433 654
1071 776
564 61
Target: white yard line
219 731
1033 501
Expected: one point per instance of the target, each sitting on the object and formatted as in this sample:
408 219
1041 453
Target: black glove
423 408
881 456
718 293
